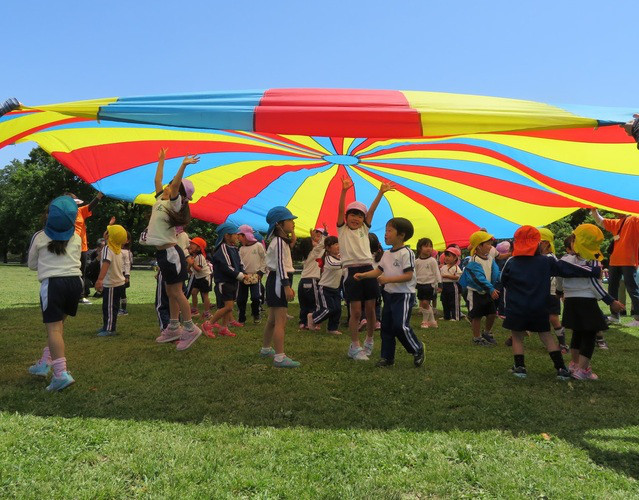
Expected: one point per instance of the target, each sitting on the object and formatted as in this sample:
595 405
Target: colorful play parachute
459 162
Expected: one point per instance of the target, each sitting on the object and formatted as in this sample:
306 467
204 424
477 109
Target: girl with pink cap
253 256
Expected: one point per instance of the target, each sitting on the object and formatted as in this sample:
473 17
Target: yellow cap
117 238
588 240
477 238
546 235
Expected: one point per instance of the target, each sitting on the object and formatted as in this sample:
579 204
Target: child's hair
180 218
127 245
57 247
278 231
376 248
329 242
424 242
570 239
306 245
403 226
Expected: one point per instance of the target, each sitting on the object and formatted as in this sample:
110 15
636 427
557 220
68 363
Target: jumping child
307 291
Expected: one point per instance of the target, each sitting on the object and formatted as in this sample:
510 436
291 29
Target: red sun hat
200 243
527 239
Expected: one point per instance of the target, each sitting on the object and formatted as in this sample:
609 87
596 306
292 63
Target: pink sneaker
225 332
207 327
194 312
362 325
433 324
206 314
572 367
168 335
424 325
586 374
378 326
236 323
188 337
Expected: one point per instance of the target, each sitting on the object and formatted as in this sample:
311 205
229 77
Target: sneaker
489 337
509 341
433 324
194 312
334 332
62 382
362 325
85 301
106 333
613 320
633 324
601 343
586 374
418 358
563 374
206 314
383 362
519 371
267 354
188 337
122 312
481 341
357 353
286 363
169 335
368 347
225 332
256 320
424 324
572 367
207 328
236 323
564 349
378 325
41 369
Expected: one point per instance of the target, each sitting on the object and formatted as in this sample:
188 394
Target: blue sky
561 51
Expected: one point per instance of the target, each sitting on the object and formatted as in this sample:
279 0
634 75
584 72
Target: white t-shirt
396 263
114 276
127 261
331 273
427 271
311 267
50 265
253 258
205 270
354 245
159 231
183 241
454 270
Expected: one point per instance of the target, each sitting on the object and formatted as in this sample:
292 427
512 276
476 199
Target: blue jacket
474 277
227 264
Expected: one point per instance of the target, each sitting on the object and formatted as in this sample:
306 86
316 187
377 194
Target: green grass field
216 421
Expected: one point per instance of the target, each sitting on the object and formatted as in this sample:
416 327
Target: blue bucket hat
275 215
226 228
60 224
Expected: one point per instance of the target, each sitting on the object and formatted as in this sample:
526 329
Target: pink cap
247 231
503 247
319 229
357 205
188 188
454 251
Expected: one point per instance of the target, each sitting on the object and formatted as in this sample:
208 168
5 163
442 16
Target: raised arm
346 185
384 188
597 216
177 180
159 171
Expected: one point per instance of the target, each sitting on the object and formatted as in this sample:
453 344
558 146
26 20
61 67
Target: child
307 292
111 279
502 248
396 271
127 262
330 301
55 253
253 257
278 285
480 277
547 247
200 282
429 280
227 273
353 225
581 311
171 209
451 291
526 277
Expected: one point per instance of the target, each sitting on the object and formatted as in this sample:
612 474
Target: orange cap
527 239
200 243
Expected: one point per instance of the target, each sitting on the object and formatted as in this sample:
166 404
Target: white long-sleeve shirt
253 258
311 268
50 265
331 272
278 259
427 271
584 287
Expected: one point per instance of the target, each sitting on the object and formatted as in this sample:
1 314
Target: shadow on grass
460 387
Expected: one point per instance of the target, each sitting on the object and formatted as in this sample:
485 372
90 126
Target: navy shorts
172 265
59 297
224 291
426 292
480 305
367 289
554 305
202 284
275 296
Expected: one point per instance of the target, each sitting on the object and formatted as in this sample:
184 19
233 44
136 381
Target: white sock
265 350
279 357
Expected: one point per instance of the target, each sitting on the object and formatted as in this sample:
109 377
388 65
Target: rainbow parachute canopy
459 161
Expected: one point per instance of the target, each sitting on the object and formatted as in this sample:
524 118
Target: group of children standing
332 264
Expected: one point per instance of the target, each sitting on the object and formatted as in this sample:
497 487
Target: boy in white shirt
111 278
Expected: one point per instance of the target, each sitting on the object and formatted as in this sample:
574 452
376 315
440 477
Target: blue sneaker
286 363
61 382
267 354
106 333
41 369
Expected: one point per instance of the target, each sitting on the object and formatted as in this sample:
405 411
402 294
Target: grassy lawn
216 421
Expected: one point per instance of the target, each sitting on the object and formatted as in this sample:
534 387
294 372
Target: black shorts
480 305
527 323
202 284
554 305
172 265
426 292
225 291
275 296
59 297
367 289
583 314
